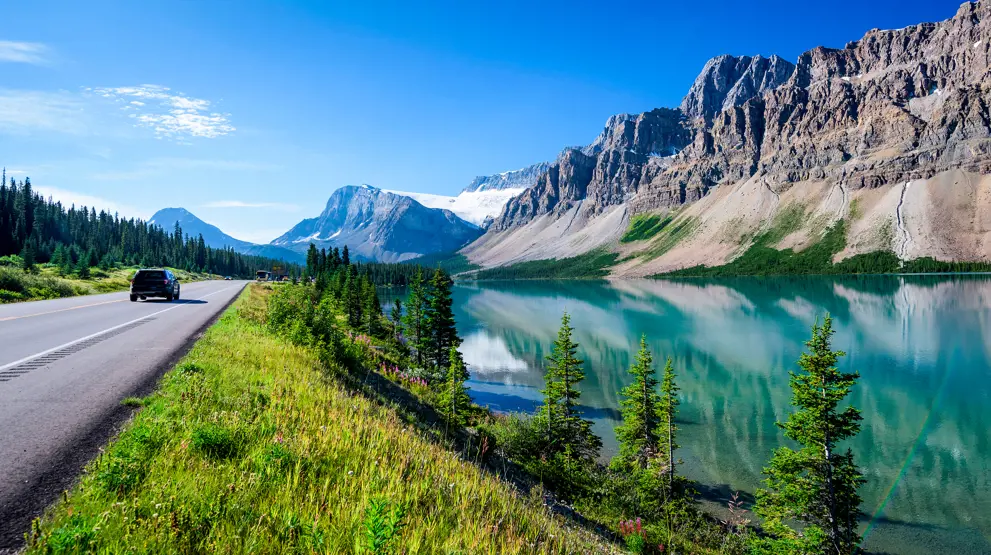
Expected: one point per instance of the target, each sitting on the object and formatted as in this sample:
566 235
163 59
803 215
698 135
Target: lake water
921 344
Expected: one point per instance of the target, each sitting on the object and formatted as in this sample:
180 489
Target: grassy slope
593 264
450 262
249 446
15 285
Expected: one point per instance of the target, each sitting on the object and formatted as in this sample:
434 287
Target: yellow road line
59 310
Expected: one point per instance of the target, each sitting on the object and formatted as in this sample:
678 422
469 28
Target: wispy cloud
23 111
23 52
171 115
158 166
69 198
241 204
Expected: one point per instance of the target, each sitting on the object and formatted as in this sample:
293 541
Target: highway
65 365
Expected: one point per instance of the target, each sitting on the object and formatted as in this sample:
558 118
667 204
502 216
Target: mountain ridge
840 133
214 237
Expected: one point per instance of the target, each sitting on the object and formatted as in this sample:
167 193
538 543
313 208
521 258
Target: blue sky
251 113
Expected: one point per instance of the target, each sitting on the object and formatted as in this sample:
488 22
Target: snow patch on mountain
472 206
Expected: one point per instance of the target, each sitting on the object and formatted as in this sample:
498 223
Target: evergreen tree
82 268
27 256
345 257
566 431
312 261
454 399
442 333
639 435
815 485
372 309
669 411
397 318
414 321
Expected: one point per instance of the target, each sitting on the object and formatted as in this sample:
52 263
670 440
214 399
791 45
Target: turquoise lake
922 345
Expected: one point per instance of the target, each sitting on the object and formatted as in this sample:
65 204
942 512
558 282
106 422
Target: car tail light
166 282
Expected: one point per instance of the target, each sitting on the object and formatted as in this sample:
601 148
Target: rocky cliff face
379 225
890 108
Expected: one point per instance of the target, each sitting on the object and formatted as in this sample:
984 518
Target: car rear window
149 275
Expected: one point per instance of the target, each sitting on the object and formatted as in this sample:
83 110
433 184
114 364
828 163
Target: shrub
215 441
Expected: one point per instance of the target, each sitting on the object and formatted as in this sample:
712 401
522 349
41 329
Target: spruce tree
27 256
669 411
397 317
566 431
441 329
345 256
312 261
640 433
414 321
815 485
454 399
372 309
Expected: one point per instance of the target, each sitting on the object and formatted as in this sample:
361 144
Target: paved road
65 365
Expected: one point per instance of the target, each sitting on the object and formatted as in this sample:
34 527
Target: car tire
134 298
177 294
169 297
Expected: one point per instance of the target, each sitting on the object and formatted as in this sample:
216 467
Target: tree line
74 239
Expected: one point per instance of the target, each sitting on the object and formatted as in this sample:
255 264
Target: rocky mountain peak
727 81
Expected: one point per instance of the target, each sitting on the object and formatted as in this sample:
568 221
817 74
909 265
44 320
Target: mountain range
890 136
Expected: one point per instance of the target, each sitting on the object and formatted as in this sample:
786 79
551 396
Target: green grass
762 260
252 445
672 234
46 283
645 226
591 265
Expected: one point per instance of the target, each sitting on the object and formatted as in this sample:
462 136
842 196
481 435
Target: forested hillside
41 230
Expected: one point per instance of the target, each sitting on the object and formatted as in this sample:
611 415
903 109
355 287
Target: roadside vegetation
593 264
48 281
307 420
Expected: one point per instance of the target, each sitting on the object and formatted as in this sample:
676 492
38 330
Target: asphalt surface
65 365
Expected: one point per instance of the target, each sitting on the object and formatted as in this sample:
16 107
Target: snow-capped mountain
214 237
482 200
477 207
380 225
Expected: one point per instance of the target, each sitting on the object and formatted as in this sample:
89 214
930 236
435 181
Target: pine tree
566 431
27 256
372 309
639 435
815 485
414 321
454 399
442 333
345 257
669 411
312 261
397 317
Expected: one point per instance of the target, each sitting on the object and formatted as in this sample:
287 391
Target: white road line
99 333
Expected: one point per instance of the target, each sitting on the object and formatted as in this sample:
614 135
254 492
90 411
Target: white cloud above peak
23 52
170 115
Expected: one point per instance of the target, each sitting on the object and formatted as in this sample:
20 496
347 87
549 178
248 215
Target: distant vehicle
154 282
228 278
262 275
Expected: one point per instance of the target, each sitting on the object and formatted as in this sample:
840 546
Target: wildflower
350 473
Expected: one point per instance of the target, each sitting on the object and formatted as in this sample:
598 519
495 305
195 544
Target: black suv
154 283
